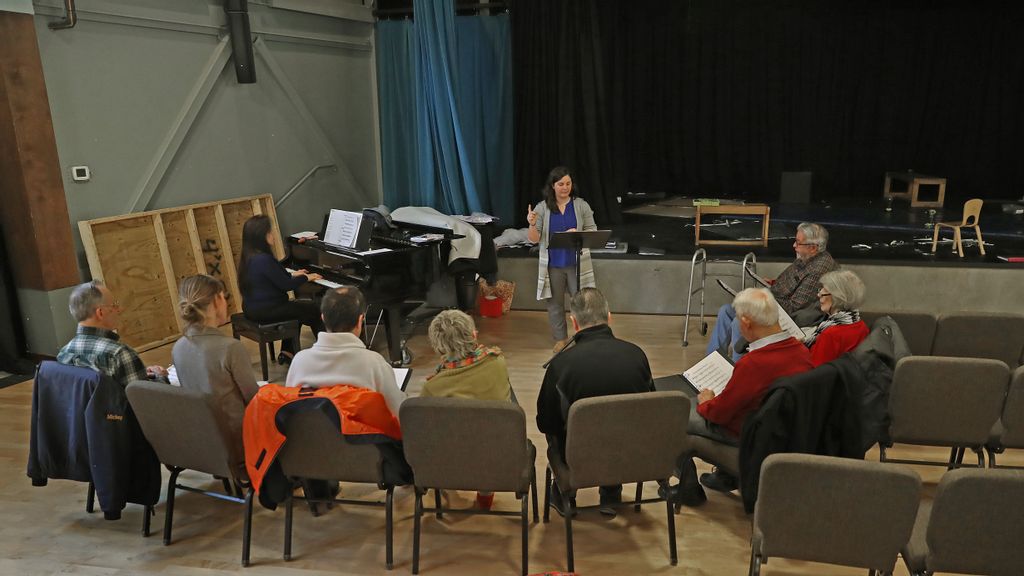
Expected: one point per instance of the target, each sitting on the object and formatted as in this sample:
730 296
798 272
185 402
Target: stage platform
890 250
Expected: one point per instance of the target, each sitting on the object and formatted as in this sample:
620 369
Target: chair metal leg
639 496
389 527
991 457
673 553
90 498
416 532
755 563
437 504
533 493
247 527
881 453
169 510
570 508
263 363
147 515
547 494
227 486
289 509
955 457
526 536
981 457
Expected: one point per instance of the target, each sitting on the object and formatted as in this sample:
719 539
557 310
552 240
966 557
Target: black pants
305 311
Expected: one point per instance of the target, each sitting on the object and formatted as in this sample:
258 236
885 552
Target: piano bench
264 334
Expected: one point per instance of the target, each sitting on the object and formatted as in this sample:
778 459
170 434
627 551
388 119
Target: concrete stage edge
659 285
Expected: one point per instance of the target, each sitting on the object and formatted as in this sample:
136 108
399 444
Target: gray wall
143 92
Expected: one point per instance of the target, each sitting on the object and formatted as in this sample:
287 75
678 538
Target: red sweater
836 341
754 373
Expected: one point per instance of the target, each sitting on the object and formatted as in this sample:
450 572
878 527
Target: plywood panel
129 256
179 245
214 256
143 257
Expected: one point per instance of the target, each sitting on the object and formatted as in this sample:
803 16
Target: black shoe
609 500
682 496
719 481
559 504
284 359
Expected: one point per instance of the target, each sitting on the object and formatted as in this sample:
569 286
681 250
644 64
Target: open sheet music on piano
711 373
342 228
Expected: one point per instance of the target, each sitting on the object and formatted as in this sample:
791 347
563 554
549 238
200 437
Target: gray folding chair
833 510
619 439
316 450
938 401
1009 431
999 336
973 526
187 435
462 444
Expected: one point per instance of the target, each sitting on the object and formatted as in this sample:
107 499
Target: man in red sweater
773 354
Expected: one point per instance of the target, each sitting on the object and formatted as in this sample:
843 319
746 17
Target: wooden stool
264 334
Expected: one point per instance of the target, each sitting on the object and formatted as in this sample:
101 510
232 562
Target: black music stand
578 241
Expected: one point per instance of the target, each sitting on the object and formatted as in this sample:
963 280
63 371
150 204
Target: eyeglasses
804 244
822 293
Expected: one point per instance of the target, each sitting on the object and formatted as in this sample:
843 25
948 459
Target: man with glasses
796 289
96 344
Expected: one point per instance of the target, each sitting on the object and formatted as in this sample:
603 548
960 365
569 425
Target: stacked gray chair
973 526
1009 432
833 510
186 435
619 439
952 402
315 450
463 444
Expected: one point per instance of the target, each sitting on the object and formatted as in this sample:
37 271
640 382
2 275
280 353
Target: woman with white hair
840 297
468 369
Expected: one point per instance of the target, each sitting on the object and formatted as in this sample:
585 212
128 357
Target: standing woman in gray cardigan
210 362
561 211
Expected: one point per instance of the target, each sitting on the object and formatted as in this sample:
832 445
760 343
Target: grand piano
391 272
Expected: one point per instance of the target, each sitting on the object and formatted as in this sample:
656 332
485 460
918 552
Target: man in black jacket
595 363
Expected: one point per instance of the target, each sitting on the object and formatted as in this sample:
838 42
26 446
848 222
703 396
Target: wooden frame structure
914 182
143 256
762 210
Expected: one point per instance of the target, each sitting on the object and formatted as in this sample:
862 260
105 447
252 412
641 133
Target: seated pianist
265 284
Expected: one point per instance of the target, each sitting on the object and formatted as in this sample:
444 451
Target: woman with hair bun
208 361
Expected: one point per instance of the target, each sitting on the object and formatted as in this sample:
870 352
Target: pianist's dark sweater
268 283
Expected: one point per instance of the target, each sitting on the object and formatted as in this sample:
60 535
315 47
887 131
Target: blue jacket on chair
84 429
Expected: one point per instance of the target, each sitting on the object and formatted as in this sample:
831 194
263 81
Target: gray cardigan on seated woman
219 367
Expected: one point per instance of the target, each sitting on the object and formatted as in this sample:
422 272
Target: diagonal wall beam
307 117
200 92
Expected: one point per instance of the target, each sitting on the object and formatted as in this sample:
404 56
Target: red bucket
490 306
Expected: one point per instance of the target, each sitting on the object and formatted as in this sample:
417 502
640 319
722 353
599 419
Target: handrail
306 176
70 17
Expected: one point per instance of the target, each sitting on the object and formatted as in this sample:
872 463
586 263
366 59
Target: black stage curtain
718 97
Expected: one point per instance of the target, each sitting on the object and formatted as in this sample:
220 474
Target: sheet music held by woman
711 373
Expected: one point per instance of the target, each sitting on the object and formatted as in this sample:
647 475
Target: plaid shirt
798 284
103 351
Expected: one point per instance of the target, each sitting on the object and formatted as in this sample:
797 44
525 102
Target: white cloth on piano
468 247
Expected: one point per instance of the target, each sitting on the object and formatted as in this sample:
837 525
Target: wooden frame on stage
736 209
143 256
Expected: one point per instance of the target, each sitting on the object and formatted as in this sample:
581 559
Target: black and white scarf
838 319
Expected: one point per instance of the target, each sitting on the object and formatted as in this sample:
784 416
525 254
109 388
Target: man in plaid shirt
96 344
795 289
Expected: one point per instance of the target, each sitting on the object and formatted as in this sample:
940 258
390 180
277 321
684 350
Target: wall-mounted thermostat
80 173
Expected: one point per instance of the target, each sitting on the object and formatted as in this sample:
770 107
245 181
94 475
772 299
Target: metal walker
700 256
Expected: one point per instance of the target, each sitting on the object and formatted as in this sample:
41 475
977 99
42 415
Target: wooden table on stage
734 209
914 182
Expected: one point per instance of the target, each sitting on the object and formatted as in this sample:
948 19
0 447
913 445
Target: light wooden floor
46 530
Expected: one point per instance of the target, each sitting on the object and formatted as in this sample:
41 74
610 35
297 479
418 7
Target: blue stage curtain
445 85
